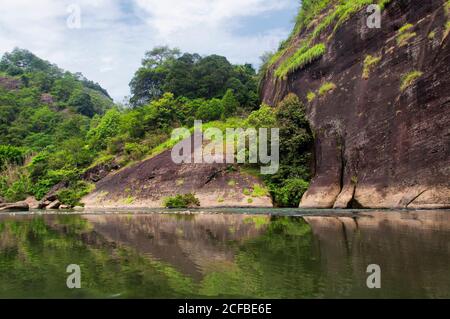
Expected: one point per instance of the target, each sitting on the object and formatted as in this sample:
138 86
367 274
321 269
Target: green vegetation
404 34
311 96
192 76
409 79
326 88
11 155
71 196
55 125
369 64
232 183
316 17
300 59
447 31
259 191
292 180
182 201
432 35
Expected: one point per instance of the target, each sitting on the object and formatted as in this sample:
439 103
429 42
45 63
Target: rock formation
383 134
148 183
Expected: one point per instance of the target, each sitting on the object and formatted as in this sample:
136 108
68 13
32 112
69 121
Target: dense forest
56 125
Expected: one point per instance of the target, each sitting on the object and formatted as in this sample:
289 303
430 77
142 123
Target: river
260 253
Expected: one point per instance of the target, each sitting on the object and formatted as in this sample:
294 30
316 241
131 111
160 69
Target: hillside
62 138
45 116
377 101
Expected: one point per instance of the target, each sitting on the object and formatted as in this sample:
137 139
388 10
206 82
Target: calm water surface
226 254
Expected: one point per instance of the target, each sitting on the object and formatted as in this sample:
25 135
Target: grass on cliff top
339 11
409 79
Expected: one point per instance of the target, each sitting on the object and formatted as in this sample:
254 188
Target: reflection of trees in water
225 255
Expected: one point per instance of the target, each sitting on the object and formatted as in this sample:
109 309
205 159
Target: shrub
135 151
259 191
409 79
71 196
326 87
310 96
14 184
290 192
182 201
403 34
262 118
210 110
369 64
11 155
230 103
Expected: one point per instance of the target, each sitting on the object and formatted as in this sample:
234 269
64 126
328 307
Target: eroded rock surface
376 145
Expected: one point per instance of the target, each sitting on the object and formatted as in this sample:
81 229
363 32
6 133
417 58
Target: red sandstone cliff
376 145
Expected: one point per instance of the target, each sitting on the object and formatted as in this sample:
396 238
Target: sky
107 39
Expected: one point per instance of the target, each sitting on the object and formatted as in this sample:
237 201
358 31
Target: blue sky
113 35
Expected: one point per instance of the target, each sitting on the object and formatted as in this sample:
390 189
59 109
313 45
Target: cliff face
378 145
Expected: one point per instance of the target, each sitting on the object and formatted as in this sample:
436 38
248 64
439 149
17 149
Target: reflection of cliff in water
190 243
412 248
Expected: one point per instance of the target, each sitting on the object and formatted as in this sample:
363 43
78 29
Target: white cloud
115 34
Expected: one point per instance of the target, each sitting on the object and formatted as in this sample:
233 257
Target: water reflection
226 255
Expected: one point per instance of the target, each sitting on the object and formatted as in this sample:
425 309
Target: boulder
32 202
19 206
54 205
65 207
43 204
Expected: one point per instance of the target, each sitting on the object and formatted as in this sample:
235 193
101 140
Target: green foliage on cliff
409 79
369 64
404 34
292 180
326 87
300 59
315 17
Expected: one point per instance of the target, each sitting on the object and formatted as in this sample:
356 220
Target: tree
82 102
147 83
210 110
230 103
192 76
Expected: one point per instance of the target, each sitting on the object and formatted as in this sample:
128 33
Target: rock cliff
378 102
